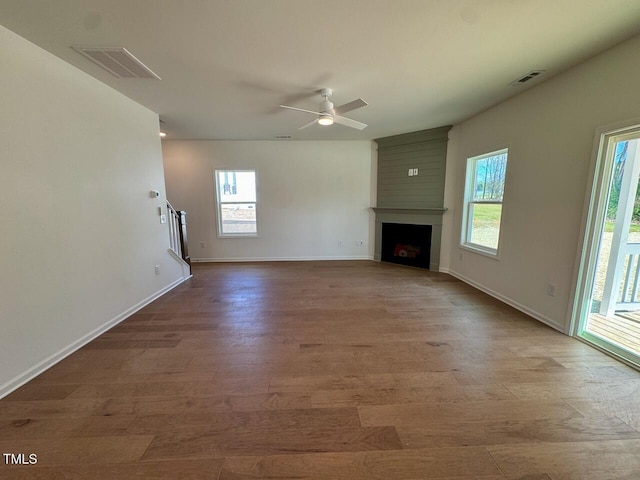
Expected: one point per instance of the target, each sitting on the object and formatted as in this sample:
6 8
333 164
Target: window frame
469 202
220 203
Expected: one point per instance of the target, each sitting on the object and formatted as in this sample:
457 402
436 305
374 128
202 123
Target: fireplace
411 219
406 244
410 197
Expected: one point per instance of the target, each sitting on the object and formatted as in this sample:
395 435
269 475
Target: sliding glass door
607 311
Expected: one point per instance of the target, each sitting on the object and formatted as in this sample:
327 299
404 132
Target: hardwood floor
327 371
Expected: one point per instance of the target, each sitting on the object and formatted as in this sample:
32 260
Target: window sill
493 254
252 235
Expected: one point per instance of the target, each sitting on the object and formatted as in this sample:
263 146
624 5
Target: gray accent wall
426 151
416 199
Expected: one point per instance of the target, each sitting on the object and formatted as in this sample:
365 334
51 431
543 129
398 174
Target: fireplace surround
417 216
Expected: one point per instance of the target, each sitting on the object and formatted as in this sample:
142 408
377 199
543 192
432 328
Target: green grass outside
486 214
490 214
608 227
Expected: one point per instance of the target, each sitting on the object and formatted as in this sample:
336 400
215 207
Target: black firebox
406 244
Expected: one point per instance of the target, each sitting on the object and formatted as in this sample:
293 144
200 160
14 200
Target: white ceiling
227 64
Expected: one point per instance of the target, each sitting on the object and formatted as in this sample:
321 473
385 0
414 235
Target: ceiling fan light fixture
325 120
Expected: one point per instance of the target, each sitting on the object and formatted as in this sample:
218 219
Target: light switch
163 219
415 171
411 172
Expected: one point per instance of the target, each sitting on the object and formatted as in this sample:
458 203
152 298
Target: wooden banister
178 233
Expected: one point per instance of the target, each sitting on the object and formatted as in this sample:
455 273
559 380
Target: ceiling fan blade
347 122
312 122
347 107
300 109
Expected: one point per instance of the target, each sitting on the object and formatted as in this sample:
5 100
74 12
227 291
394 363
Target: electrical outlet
415 172
157 269
203 245
551 290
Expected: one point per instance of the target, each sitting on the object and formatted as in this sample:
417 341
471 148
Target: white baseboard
50 361
518 306
278 259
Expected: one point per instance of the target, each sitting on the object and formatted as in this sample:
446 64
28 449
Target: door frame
594 211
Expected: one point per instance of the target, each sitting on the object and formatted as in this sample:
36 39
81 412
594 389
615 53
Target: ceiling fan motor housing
326 105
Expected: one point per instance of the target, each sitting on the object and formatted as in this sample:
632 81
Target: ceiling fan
327 114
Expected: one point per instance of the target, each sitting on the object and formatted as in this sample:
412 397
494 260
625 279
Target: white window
482 210
237 203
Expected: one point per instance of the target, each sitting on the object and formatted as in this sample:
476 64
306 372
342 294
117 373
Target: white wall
311 195
80 233
550 134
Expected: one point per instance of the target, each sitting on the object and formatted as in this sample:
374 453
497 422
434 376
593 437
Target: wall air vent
283 137
117 61
529 76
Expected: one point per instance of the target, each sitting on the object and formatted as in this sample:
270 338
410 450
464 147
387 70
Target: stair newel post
184 246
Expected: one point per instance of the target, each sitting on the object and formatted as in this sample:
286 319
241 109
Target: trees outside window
484 191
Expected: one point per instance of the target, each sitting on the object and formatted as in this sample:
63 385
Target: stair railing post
184 246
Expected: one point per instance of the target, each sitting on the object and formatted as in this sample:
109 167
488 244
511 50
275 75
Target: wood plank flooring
327 371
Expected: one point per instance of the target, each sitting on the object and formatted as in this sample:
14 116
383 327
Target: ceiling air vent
529 76
117 61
